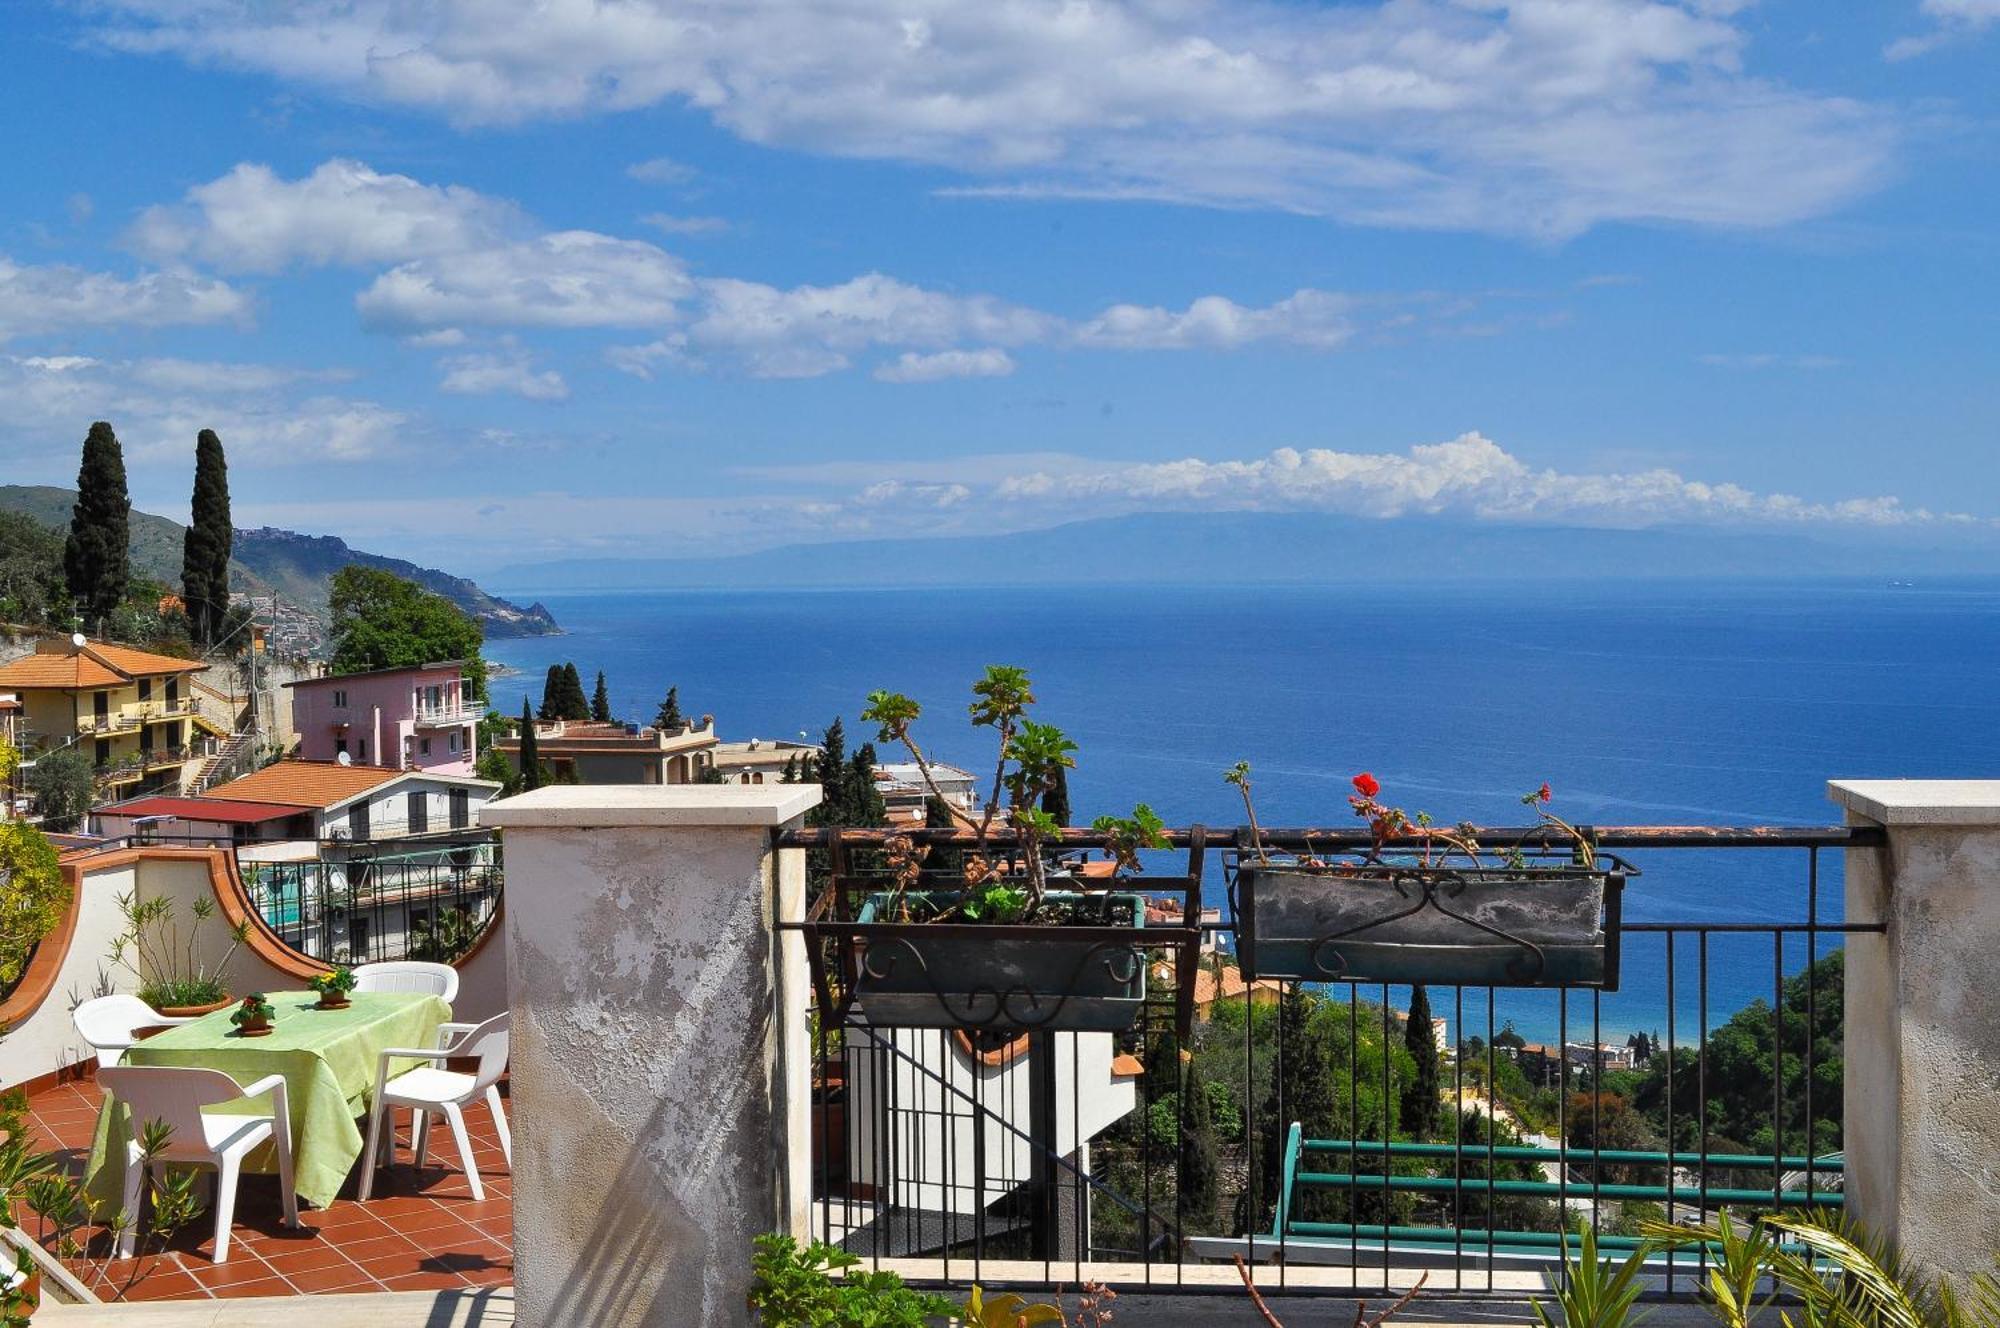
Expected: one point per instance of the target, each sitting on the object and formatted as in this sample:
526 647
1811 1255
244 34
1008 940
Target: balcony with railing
449 712
132 717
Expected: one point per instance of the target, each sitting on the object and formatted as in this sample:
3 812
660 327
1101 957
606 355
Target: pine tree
670 717
531 755
791 774
206 545
96 557
1420 1094
600 701
1200 1166
552 689
575 705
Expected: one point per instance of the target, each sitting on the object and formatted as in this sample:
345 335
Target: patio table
328 1058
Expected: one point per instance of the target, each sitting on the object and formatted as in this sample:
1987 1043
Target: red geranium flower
1543 792
1367 785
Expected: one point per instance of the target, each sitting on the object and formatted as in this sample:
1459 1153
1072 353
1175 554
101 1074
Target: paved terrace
421 1232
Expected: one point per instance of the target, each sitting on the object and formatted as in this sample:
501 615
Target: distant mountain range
298 568
1244 548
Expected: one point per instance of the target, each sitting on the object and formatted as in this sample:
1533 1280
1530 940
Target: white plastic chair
176 1097
433 1090
109 1024
408 975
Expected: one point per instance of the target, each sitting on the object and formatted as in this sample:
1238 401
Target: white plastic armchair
176 1096
110 1024
408 975
433 1090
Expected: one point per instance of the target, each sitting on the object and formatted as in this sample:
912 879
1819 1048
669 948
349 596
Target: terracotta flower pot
260 1028
331 1001
194 1011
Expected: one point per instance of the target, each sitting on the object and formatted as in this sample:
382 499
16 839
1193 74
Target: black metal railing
365 906
1709 1078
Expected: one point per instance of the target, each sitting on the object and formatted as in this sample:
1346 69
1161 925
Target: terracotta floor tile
342 1277
166 1286
312 1257
242 1266
269 1286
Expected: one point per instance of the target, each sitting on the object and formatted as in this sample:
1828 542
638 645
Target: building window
364 751
340 746
420 812
145 689
461 809
357 937
424 746
453 739
339 699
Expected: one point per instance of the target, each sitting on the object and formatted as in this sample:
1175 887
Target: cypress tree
531 755
575 705
669 716
864 804
1200 1166
1305 1093
96 556
1420 1094
600 701
551 707
205 547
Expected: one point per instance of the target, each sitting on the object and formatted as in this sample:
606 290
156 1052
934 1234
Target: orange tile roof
305 783
98 664
1124 1066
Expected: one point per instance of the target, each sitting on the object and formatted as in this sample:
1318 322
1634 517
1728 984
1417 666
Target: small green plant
996 901
33 892
1597 1294
447 940
166 958
333 987
254 1012
819 1286
1126 835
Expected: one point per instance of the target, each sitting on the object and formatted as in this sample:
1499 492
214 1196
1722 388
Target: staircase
223 765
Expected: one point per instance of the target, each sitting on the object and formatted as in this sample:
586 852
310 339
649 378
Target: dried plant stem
1361 1318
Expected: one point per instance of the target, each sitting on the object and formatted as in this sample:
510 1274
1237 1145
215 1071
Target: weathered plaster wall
1922 1097
660 1117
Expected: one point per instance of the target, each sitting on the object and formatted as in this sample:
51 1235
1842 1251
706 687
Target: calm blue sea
1659 703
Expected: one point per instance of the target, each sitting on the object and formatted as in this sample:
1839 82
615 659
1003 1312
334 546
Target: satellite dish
79 640
343 759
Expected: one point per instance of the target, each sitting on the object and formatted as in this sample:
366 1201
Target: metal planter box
1002 977
1484 927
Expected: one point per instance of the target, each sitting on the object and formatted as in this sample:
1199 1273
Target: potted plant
174 977
253 1017
1008 937
1425 903
333 988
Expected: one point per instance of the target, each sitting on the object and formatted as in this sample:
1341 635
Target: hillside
297 568
1250 548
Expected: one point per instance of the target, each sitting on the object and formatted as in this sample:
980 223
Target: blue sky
482 281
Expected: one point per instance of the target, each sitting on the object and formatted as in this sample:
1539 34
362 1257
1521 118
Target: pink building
418 718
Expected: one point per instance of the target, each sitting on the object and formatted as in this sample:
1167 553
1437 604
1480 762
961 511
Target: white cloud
661 170
58 297
1953 19
1542 117
511 372
563 279
669 224
158 405
1469 476
1313 318
912 367
344 213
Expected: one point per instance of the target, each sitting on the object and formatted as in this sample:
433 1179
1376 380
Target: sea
1658 702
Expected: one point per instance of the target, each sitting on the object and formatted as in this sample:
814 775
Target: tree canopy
381 621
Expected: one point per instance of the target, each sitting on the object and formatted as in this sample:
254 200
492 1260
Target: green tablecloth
328 1058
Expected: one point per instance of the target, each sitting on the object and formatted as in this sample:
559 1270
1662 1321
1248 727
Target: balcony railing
1285 1124
369 907
446 712
130 717
137 765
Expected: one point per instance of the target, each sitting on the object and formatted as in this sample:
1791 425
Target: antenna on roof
78 640
343 759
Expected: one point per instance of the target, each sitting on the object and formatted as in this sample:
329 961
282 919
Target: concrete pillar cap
1918 802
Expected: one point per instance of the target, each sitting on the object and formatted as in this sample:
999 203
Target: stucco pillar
659 1117
1922 1099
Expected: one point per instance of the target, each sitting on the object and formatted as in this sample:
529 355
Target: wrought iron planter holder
1534 926
1005 978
